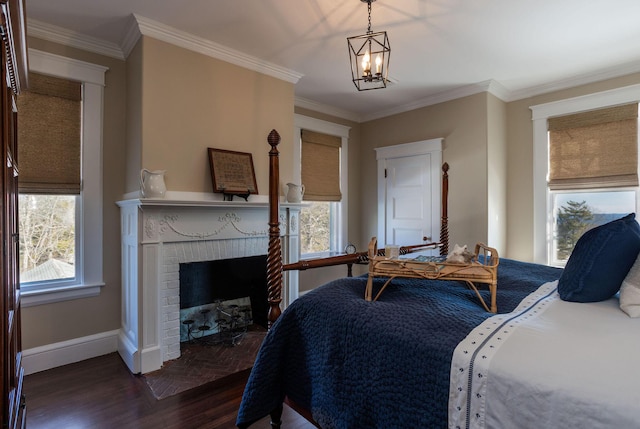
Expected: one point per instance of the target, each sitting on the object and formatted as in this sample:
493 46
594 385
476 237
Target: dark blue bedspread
384 364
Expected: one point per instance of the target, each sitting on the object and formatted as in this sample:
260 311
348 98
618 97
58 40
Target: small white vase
152 183
295 193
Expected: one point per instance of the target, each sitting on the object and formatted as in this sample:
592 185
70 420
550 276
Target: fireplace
222 295
160 235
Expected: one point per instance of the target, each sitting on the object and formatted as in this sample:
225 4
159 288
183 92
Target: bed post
444 221
274 255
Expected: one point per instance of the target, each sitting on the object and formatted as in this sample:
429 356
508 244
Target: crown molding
131 36
53 33
156 30
464 91
326 109
584 79
139 26
490 86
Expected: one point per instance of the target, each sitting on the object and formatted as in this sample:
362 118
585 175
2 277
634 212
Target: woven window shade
597 149
321 166
49 126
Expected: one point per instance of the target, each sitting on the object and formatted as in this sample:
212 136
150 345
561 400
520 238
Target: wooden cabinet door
13 76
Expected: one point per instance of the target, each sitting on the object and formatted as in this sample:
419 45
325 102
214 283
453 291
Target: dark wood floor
102 393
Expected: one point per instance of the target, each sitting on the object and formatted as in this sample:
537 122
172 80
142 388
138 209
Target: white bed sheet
549 364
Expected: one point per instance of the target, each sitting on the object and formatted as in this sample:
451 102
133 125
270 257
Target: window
591 150
71 267
323 219
574 213
585 168
47 225
49 153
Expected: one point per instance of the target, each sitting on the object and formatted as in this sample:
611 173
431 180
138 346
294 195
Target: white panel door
409 194
408 200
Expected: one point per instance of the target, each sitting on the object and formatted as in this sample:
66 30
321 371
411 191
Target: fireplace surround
157 235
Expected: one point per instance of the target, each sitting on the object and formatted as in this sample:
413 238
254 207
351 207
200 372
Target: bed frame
275 267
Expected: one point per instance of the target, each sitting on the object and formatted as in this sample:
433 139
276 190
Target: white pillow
630 291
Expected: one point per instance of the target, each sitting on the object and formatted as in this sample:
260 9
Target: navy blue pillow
600 261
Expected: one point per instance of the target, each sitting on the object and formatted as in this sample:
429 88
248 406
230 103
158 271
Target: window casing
337 236
546 201
88 277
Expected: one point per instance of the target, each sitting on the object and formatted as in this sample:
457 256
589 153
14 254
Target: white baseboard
57 354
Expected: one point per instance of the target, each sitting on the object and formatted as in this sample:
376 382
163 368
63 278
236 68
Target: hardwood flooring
101 393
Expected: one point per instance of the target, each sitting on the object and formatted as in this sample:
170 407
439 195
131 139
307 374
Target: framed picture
232 172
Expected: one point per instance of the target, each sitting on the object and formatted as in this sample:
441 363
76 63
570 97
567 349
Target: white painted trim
490 86
304 122
410 149
56 65
140 25
585 79
89 249
65 352
159 31
542 216
129 353
51 295
624 95
320 126
53 33
327 109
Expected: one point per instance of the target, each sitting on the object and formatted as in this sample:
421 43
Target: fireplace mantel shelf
161 202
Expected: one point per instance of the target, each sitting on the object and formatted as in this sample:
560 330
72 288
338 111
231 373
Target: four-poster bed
426 354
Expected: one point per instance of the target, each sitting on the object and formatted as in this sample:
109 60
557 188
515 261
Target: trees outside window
574 219
47 237
577 212
315 228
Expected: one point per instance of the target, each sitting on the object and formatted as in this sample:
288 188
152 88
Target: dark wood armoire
14 78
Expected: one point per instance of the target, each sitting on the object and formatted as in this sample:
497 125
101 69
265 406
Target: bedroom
489 145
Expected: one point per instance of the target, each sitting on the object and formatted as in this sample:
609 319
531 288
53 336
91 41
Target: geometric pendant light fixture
369 57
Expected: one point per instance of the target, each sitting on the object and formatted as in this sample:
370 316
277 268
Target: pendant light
369 57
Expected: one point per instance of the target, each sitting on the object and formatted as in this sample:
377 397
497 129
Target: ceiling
440 49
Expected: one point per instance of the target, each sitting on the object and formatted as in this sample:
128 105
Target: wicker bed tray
485 271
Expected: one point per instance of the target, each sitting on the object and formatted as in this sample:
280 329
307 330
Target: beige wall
191 102
520 166
497 180
134 119
51 323
163 108
463 125
166 105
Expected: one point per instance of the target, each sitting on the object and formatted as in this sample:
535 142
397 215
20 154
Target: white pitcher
295 193
152 183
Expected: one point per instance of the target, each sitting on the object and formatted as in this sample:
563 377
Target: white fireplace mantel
159 234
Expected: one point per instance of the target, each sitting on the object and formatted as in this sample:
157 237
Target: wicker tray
475 272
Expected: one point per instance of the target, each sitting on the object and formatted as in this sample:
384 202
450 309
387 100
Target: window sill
58 294
319 255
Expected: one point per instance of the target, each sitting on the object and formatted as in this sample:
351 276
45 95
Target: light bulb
366 63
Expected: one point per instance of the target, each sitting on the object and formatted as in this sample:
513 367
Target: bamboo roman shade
596 149
321 166
49 127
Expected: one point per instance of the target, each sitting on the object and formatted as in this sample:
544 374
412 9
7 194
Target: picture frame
232 172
